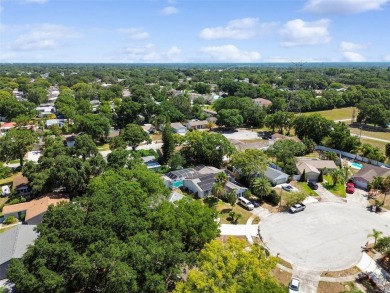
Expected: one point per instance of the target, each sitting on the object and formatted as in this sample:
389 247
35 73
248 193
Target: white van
5 191
246 203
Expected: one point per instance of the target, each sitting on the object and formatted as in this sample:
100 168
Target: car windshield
293 287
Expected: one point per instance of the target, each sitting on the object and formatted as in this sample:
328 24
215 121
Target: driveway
326 236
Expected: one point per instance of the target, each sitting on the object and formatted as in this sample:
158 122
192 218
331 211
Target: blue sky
149 31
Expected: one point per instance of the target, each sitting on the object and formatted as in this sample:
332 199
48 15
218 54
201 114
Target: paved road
372 138
326 236
152 146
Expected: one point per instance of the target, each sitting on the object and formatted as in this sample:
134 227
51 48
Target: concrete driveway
326 236
241 134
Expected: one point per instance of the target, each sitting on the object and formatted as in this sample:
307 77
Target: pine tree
321 177
303 176
168 146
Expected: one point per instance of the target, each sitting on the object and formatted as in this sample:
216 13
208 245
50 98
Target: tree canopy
119 237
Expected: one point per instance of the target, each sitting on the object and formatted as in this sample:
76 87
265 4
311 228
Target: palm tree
336 175
346 172
210 125
218 190
376 184
221 178
386 187
376 234
260 187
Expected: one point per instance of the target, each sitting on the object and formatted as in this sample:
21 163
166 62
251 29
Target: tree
336 175
97 126
383 245
210 125
206 148
85 146
66 104
260 187
221 178
37 95
127 112
312 126
112 240
134 135
387 150
218 189
321 176
292 198
376 235
168 146
230 118
303 176
250 162
231 267
16 144
176 161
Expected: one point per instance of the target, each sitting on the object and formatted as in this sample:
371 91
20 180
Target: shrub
292 198
273 198
10 220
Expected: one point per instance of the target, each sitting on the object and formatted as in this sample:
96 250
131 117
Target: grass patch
2 230
224 209
344 273
338 189
156 137
379 144
335 114
375 134
332 287
303 187
104 147
284 263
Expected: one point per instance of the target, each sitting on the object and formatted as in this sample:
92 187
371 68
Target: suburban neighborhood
193 168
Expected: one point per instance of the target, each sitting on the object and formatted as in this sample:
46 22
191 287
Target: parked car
299 207
288 187
293 287
312 185
255 203
350 187
246 203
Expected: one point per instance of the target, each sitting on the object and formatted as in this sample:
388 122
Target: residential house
197 124
50 122
46 109
212 119
175 196
6 127
313 167
33 210
242 146
20 185
149 128
262 102
14 243
179 128
95 105
366 175
277 136
210 112
199 181
151 163
275 176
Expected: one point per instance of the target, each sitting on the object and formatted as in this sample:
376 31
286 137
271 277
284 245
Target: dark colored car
255 203
312 185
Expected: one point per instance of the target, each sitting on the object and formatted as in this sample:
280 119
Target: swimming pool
356 166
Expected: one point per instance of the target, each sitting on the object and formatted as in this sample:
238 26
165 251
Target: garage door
360 184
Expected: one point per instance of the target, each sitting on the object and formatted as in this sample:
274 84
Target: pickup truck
299 207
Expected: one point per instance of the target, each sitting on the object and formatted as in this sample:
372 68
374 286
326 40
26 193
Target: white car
293 287
289 188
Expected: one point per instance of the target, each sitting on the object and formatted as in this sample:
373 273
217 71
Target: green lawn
302 186
224 210
336 114
338 189
8 180
104 147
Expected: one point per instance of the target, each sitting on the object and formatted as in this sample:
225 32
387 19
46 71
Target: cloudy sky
147 31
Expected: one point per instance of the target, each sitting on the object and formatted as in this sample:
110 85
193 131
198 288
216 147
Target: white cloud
230 53
349 46
240 29
134 33
148 53
300 33
44 36
386 58
353 57
343 6
169 10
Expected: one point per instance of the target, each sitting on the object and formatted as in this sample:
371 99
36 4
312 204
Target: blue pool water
356 165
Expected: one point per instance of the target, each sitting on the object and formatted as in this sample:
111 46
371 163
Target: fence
351 156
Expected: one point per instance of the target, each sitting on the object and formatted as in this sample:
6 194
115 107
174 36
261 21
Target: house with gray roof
14 243
276 176
151 163
366 175
197 124
178 128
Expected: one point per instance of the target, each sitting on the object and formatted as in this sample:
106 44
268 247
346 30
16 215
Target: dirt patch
225 238
270 208
378 197
256 220
343 273
330 287
281 275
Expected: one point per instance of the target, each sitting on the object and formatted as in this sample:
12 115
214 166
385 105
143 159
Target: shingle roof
34 207
308 167
14 242
19 180
177 125
273 174
197 123
263 101
368 172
